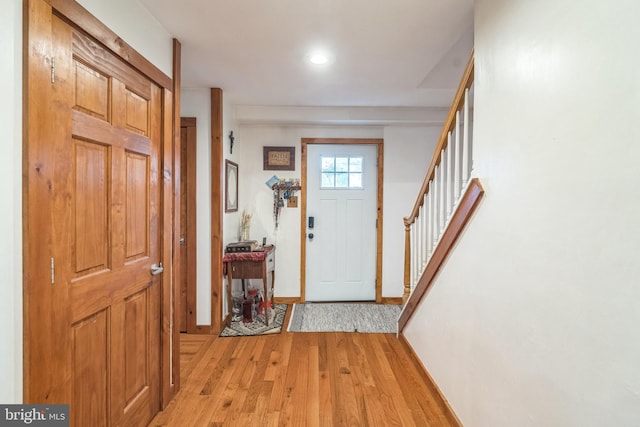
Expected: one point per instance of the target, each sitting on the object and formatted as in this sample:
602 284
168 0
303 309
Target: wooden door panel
136 345
91 213
90 367
137 206
137 113
91 91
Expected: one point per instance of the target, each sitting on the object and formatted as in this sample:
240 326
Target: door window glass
341 172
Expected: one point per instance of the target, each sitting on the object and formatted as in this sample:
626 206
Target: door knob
156 269
310 236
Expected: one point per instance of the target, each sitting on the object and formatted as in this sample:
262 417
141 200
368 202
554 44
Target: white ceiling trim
306 115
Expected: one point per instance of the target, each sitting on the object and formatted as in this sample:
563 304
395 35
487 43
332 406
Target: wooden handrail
458 100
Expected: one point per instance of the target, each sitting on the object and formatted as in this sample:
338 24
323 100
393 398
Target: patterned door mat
258 327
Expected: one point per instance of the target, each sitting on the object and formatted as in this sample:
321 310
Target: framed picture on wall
231 186
279 158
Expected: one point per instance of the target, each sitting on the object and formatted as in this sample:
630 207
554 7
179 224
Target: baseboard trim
297 300
287 300
451 416
201 330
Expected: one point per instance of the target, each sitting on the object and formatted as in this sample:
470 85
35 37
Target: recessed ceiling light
318 59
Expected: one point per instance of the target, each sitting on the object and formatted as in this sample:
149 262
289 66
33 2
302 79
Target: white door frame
303 211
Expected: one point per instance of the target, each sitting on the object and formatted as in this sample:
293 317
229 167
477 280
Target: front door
341 201
98 320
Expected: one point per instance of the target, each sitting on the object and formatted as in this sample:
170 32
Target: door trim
217 297
303 206
171 294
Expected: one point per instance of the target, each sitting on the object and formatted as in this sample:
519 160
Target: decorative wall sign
279 158
231 184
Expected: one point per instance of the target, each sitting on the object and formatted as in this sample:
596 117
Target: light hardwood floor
301 379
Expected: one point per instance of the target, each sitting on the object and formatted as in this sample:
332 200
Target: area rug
257 327
338 317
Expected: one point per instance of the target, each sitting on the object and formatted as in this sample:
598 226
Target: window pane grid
341 172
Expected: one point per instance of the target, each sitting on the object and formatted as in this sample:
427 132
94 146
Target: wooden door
184 276
341 198
188 225
102 121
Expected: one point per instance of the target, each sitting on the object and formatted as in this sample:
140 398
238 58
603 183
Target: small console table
252 265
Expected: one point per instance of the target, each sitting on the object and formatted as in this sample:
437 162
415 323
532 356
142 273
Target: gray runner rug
338 317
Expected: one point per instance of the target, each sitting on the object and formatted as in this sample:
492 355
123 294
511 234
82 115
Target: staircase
445 202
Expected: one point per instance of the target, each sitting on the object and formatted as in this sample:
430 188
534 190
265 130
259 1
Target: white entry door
341 222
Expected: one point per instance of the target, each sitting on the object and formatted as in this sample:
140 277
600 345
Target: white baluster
436 205
418 244
423 238
419 231
410 259
466 148
413 256
459 133
456 163
430 220
450 171
416 260
442 193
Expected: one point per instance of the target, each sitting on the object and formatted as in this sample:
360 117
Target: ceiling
383 53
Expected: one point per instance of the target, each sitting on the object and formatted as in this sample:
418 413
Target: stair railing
444 185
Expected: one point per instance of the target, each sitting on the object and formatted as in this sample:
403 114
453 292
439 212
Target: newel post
407 261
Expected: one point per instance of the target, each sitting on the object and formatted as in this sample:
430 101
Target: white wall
407 153
196 102
11 190
534 319
137 27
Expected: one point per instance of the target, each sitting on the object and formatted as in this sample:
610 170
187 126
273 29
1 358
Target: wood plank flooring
192 348
301 379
